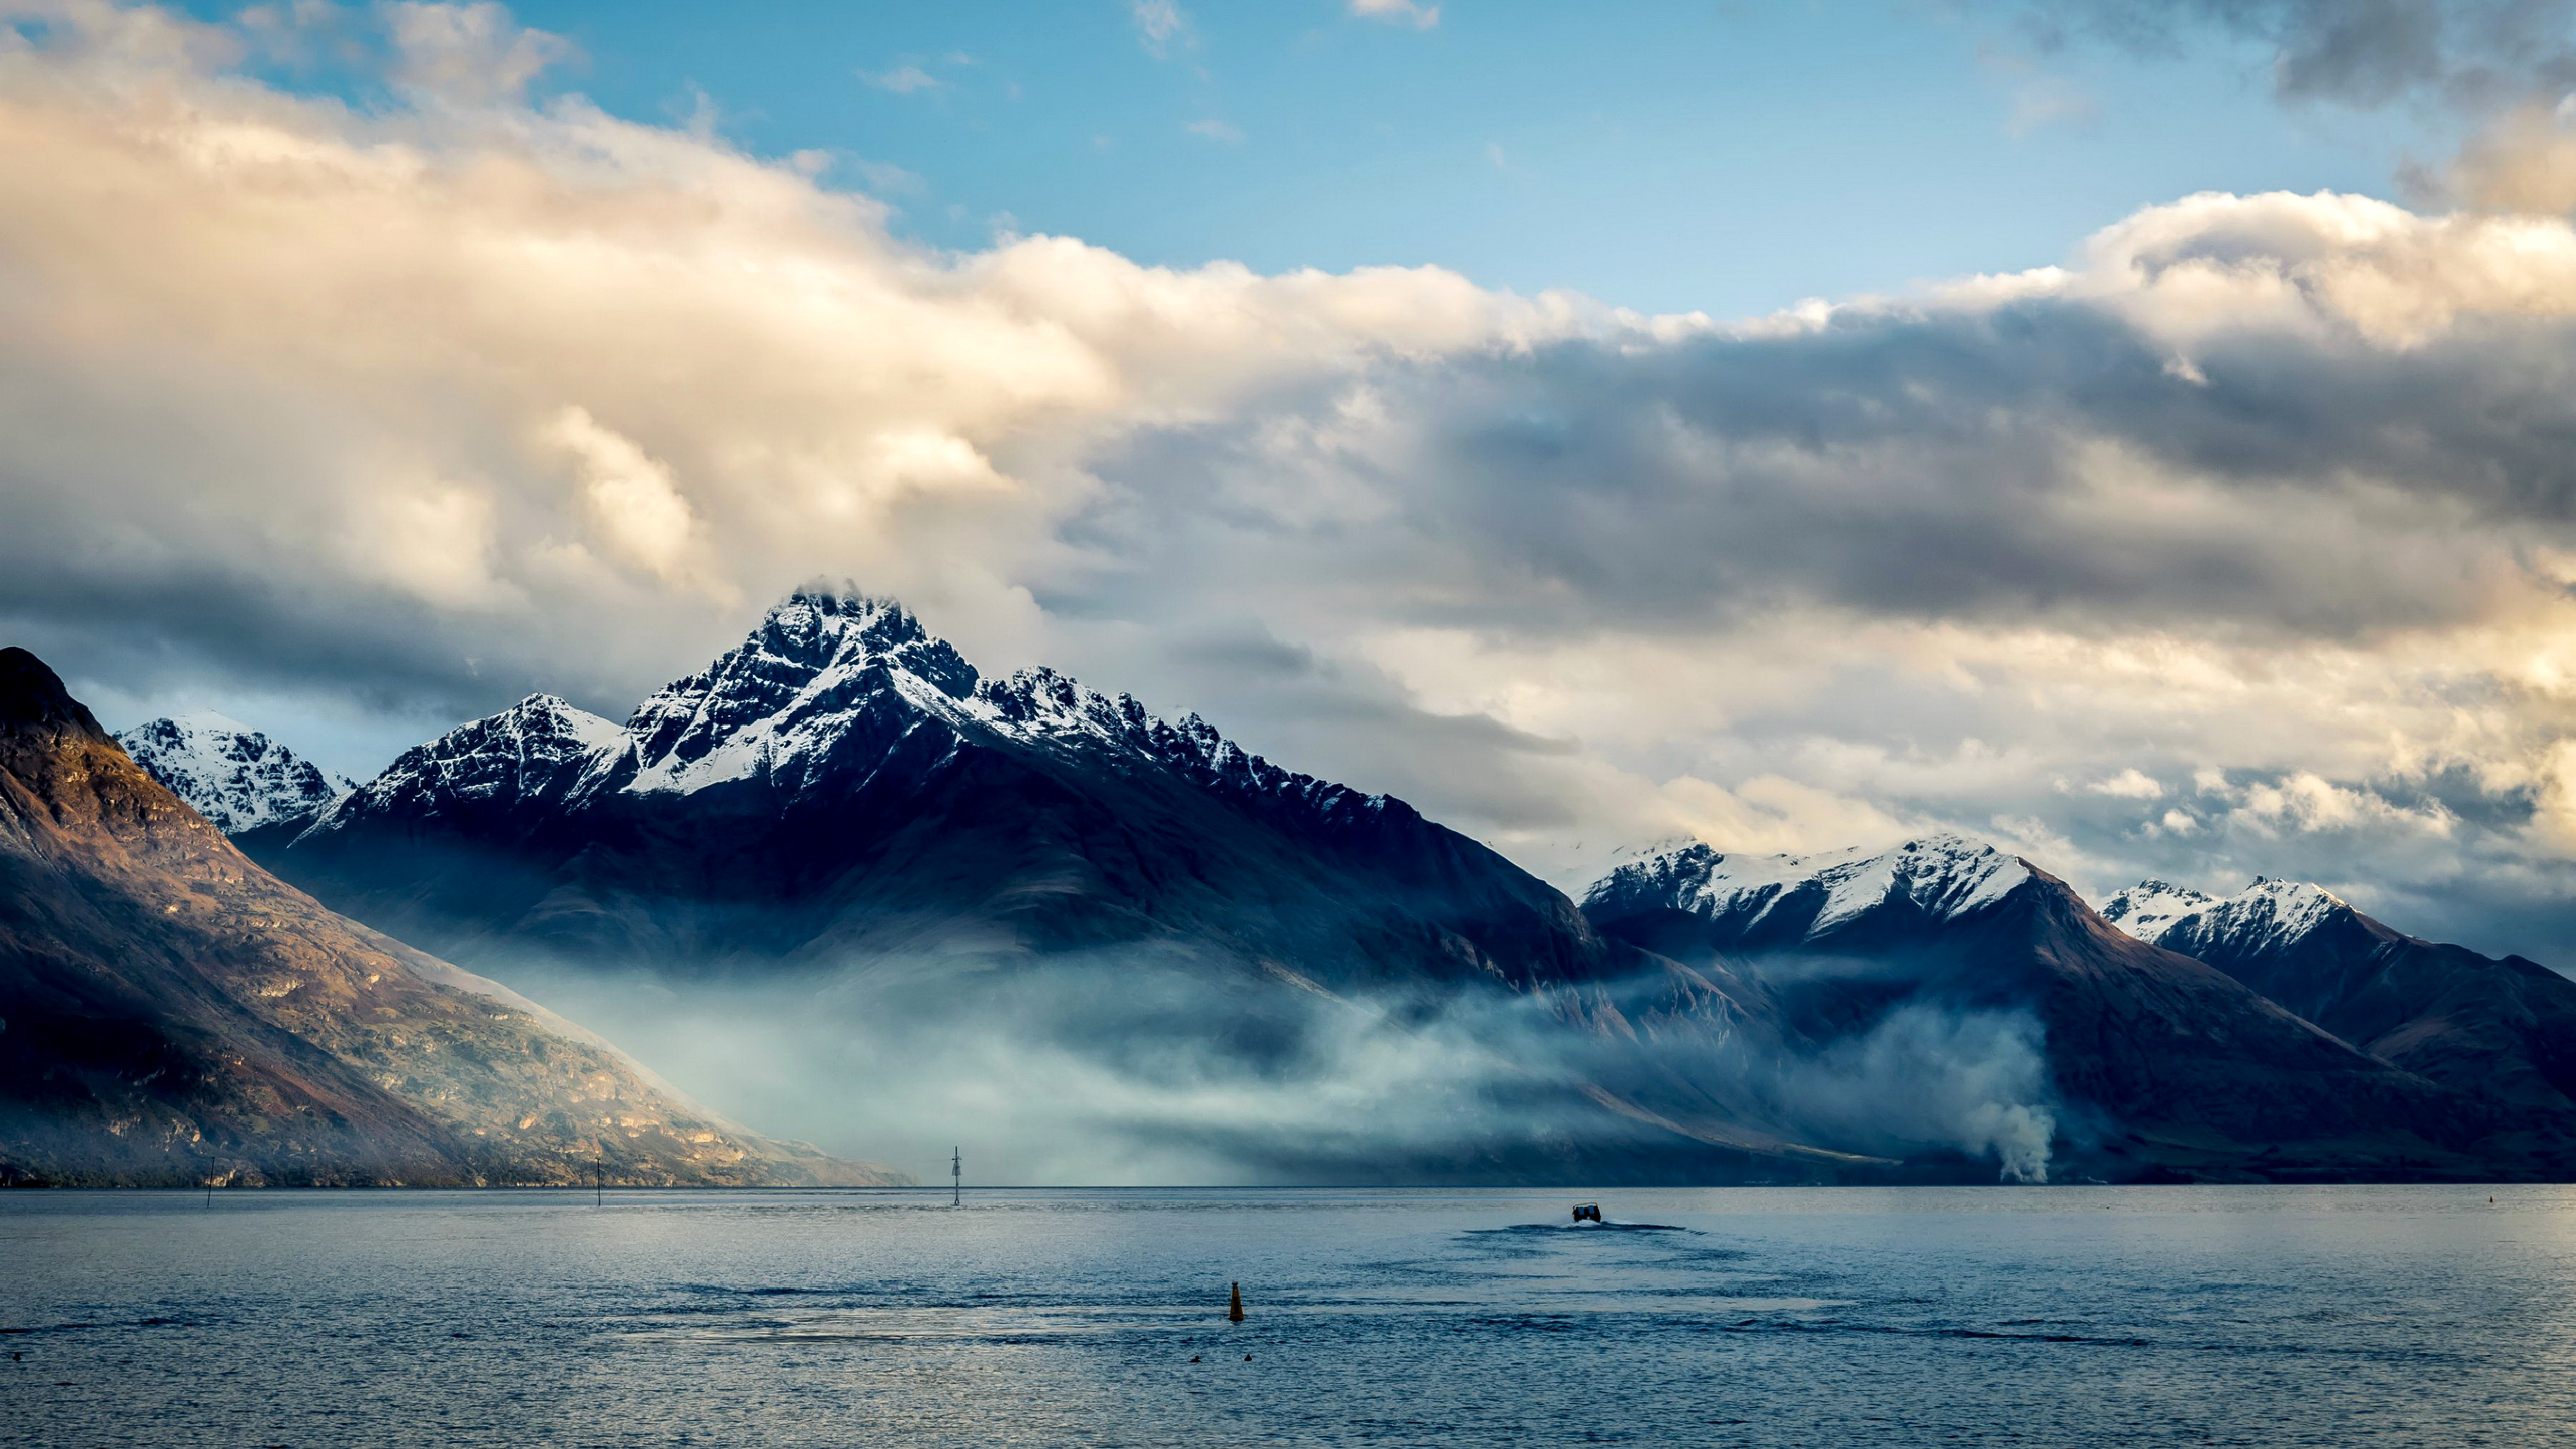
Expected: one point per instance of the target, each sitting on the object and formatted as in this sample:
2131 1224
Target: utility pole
956 1176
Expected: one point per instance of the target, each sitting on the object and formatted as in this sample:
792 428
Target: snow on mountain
778 707
2146 909
789 692
780 701
1943 875
233 775
540 745
2267 915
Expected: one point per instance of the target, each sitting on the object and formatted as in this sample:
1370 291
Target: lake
1741 1316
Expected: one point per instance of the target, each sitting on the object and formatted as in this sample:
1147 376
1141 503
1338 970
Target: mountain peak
813 612
31 693
2268 913
790 687
1942 874
235 776
2146 909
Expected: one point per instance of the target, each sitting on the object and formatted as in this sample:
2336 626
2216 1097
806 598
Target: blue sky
1730 158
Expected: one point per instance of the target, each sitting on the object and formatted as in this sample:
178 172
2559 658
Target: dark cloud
2043 460
2470 53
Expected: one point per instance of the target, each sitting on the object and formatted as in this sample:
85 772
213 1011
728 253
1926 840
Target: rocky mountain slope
2504 1028
236 777
172 1014
2169 1064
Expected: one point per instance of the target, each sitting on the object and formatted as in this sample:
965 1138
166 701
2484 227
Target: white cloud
903 80
469 53
1215 130
1161 26
2130 784
2310 803
1402 12
634 504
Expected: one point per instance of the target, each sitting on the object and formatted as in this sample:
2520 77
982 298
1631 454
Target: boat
1587 1212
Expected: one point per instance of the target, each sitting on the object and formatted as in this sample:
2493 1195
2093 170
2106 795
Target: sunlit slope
170 1013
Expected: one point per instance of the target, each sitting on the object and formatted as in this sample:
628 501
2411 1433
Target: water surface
1790 1317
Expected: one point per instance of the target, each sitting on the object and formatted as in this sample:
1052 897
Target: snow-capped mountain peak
2267 915
829 686
2146 909
789 690
534 746
1941 874
233 775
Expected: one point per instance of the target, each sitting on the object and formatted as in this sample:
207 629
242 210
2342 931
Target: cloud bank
2240 541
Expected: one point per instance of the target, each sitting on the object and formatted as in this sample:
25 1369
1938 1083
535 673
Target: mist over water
1133 1070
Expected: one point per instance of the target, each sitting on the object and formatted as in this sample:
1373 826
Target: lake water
2080 1316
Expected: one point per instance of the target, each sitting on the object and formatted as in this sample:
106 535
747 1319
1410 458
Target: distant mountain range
2171 1065
844 805
844 796
2502 1028
170 1014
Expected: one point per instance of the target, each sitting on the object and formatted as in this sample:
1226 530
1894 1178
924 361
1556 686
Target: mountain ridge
2188 1069
837 699
843 799
2504 1027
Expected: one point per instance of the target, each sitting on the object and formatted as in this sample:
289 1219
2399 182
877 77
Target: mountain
844 803
2505 1028
172 1014
843 784
2168 1066
233 775
926 874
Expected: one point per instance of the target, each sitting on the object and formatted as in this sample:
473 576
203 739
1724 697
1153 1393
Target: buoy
1194 1358
1234 1304
1247 1358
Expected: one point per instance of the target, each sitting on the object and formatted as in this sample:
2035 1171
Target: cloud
2505 65
2472 53
2042 102
634 504
468 53
2523 161
886 178
1161 27
1215 130
2039 100
903 80
1401 12
267 352
2130 784
420 408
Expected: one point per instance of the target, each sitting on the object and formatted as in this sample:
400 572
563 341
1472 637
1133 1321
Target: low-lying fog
1133 1071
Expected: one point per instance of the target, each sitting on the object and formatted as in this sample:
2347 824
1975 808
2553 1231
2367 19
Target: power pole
956 1176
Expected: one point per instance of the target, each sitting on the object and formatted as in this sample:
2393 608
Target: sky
2131 433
